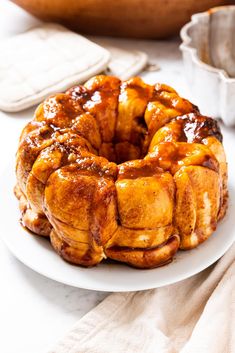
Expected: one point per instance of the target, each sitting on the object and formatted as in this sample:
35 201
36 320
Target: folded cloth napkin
196 315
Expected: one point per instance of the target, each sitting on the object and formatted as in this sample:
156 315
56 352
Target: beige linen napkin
196 315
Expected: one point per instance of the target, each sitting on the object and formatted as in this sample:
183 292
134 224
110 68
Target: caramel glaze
171 156
60 114
146 258
57 116
94 167
138 168
194 128
106 131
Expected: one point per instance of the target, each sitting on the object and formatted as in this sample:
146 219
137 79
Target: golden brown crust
35 222
123 170
146 258
164 106
79 254
133 99
196 205
171 156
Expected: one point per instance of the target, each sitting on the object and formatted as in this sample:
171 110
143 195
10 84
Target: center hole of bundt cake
122 150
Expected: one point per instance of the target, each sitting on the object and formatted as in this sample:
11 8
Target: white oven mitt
50 58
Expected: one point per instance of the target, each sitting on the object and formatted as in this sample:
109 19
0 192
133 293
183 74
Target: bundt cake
121 170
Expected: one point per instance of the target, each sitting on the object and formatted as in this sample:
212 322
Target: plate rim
104 287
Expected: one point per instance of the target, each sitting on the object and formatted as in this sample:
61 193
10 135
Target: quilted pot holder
124 63
44 60
50 58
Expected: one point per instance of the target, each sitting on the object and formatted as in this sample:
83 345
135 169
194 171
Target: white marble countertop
35 311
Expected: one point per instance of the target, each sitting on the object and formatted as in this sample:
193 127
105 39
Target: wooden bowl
123 18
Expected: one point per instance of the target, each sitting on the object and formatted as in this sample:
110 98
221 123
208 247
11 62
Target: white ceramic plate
37 253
